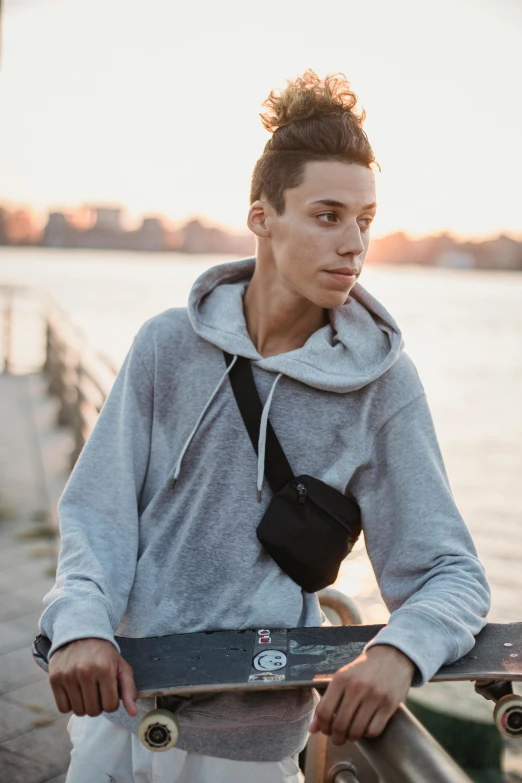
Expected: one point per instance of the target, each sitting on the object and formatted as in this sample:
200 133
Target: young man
158 519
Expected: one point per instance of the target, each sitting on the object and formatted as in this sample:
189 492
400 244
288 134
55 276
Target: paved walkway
34 744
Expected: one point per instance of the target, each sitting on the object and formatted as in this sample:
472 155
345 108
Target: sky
154 105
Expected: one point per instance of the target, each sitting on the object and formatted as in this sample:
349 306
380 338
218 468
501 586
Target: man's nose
351 243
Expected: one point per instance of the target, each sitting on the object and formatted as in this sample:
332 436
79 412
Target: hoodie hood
359 344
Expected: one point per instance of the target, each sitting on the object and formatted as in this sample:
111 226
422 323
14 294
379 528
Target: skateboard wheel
508 715
158 730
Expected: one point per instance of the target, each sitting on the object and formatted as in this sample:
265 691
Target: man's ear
257 219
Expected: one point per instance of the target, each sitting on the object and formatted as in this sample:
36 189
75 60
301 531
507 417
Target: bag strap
277 468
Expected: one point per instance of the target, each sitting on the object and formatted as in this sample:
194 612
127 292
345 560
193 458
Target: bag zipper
304 497
302 492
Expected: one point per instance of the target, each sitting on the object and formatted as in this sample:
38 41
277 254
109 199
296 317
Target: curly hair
311 120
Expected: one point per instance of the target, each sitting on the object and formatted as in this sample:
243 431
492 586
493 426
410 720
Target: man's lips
345 270
344 274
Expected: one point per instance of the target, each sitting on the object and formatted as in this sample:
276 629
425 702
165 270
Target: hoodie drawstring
262 440
187 443
262 432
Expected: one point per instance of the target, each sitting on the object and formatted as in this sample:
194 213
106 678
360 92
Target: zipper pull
301 489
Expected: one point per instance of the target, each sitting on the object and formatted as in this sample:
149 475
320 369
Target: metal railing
8 293
79 376
404 753
339 608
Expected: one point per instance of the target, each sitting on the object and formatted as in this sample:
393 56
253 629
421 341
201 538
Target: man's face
325 226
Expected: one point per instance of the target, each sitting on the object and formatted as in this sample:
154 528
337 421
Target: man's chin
331 302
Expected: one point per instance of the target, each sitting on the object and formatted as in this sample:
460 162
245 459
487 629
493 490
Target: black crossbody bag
308 527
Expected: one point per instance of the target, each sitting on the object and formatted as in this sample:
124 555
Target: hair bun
309 96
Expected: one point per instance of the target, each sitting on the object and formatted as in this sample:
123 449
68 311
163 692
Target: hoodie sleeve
422 553
98 510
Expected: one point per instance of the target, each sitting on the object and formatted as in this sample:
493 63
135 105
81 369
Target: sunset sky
155 105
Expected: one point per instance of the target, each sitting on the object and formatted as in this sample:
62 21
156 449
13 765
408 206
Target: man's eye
328 214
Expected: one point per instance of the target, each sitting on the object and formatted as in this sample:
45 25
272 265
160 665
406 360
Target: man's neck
277 320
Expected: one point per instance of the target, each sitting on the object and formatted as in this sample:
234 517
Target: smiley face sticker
269 660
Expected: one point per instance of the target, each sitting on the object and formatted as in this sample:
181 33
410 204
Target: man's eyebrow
331 202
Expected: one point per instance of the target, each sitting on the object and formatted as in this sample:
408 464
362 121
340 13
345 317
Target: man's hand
364 694
87 677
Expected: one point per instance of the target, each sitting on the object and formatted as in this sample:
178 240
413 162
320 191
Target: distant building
149 236
455 259
395 248
198 238
106 233
500 253
19 227
3 226
108 219
437 250
59 231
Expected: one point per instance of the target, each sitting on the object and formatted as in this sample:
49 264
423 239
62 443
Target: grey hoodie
159 515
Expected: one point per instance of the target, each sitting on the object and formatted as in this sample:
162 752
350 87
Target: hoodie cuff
73 619
422 639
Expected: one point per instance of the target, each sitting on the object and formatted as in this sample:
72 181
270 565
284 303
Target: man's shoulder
164 332
168 328
404 376
167 322
397 387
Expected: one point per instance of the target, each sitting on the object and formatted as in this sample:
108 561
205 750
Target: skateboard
174 668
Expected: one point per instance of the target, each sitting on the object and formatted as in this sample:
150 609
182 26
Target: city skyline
132 221
158 107
101 228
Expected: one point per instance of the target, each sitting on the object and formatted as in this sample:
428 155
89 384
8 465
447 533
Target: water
462 328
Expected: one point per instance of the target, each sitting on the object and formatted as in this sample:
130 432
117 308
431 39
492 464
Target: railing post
78 423
69 396
55 381
47 362
8 330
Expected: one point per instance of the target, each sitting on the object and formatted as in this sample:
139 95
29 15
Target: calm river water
462 328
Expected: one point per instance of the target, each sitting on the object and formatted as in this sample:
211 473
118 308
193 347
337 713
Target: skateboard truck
508 705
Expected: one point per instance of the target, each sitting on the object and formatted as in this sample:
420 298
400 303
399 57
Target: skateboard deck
266 659
174 668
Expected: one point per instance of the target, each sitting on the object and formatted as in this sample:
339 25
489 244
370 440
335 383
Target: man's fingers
109 696
128 690
75 696
354 728
378 723
61 698
324 712
90 694
346 713
84 677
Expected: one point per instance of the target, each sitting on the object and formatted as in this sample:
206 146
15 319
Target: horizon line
46 211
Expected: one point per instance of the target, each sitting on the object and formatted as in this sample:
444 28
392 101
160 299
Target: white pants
105 753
